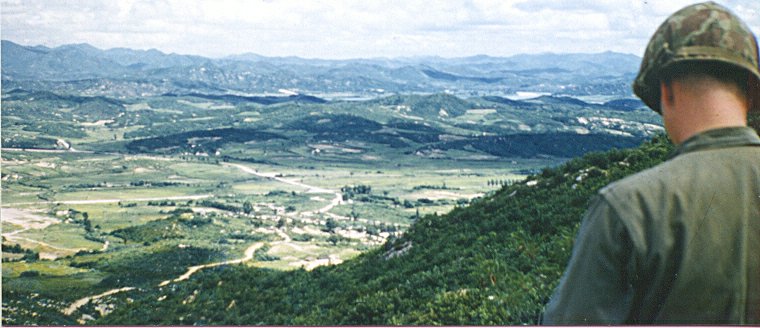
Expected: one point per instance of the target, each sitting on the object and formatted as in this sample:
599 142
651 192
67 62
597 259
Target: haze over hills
126 72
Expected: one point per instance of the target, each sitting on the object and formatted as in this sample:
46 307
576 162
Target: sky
342 29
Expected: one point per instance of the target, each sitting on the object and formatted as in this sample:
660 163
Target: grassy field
136 220
121 191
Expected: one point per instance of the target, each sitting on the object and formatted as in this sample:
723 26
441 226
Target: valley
130 181
73 209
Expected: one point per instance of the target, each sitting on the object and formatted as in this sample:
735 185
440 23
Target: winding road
80 302
30 221
193 269
249 252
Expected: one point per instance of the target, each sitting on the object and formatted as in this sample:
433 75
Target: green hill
430 106
494 262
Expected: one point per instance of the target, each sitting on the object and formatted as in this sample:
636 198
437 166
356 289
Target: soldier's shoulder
653 180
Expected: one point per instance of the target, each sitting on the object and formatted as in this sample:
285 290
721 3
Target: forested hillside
494 262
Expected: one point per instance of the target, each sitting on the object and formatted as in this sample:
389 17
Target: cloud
347 28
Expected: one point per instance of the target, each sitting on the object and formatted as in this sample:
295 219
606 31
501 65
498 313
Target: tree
330 225
86 222
247 207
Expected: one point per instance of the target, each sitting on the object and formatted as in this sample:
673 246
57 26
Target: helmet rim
665 50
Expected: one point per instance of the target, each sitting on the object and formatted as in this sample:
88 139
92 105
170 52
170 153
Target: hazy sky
348 29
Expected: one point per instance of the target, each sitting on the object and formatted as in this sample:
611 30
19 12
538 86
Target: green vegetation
494 262
134 192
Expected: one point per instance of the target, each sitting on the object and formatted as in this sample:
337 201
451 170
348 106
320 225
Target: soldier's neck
693 111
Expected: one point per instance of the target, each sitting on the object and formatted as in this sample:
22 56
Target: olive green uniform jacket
676 244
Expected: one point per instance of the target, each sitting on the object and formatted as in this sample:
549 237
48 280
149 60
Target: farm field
68 211
117 192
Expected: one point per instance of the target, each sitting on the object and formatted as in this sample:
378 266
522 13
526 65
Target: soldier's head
700 40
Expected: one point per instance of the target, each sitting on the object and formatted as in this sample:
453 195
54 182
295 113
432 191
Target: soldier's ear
753 94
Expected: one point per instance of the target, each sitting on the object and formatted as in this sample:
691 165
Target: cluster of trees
82 218
159 203
223 206
494 262
141 183
501 182
433 187
178 225
350 191
29 255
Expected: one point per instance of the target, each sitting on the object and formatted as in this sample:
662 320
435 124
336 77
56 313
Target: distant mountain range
86 70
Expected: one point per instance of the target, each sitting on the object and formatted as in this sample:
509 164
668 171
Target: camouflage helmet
700 32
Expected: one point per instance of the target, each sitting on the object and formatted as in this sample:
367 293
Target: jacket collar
719 138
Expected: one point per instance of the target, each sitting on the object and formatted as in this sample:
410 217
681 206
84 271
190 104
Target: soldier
680 243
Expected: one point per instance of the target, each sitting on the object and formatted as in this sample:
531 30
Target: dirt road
30 221
193 269
273 176
79 303
39 150
337 200
113 200
26 219
248 255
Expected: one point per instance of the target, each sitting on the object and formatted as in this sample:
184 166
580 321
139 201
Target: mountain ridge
30 66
